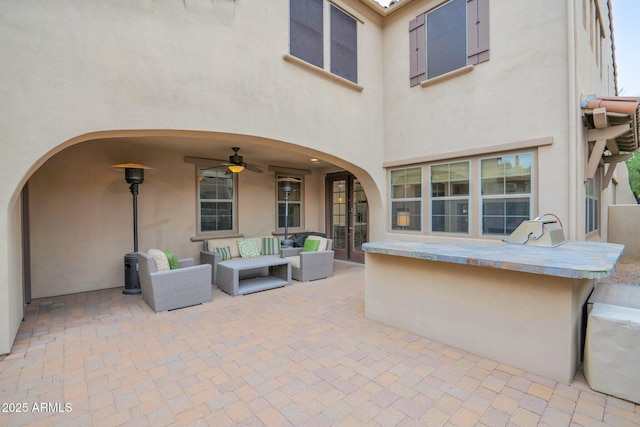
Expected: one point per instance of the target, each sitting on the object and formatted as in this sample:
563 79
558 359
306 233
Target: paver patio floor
303 355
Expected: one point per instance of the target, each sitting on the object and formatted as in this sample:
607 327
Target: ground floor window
505 192
295 203
592 204
216 201
450 197
483 196
406 199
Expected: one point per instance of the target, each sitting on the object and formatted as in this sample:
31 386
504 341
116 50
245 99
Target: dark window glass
447 38
305 38
503 216
344 45
216 200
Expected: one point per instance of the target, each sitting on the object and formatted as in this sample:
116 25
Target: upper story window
306 39
216 201
406 199
306 31
506 193
447 38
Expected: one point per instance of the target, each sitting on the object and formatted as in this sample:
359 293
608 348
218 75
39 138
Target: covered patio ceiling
217 146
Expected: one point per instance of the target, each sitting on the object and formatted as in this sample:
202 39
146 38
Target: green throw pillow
248 248
310 245
224 252
270 246
173 260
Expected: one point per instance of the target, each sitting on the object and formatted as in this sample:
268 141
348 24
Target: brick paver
300 355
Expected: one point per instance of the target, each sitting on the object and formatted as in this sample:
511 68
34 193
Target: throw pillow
248 248
323 242
225 252
270 246
173 260
310 245
160 259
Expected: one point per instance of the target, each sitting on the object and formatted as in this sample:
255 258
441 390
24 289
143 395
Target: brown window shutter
417 51
477 31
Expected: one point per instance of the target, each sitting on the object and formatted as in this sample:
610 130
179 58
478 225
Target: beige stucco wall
530 88
624 228
504 101
78 68
529 321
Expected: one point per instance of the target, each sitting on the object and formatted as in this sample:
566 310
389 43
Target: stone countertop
572 259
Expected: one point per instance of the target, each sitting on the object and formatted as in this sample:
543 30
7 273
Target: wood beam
600 118
617 158
607 133
613 162
594 158
612 145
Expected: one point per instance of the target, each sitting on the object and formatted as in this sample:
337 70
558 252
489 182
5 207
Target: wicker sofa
170 289
212 256
304 266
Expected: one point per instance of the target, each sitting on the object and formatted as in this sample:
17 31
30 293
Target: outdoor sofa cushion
160 259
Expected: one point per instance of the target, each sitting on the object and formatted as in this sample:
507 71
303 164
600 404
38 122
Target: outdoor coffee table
242 276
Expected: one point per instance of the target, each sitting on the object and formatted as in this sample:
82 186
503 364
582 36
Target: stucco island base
486 300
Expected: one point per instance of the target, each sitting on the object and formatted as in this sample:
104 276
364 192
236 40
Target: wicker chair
306 266
167 290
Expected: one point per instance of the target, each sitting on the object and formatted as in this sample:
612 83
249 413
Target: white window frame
393 216
200 177
592 194
530 195
279 202
451 198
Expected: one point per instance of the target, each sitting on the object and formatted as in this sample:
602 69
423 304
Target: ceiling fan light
236 168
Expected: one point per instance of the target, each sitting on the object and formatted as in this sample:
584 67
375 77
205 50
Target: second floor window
306 37
447 38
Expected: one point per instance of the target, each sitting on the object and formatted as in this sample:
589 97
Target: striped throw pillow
225 253
270 246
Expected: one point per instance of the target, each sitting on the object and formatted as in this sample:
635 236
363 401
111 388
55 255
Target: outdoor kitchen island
517 304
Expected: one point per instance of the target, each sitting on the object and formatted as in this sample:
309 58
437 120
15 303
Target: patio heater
134 175
287 187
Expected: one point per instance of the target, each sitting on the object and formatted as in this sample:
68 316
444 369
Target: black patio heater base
131 279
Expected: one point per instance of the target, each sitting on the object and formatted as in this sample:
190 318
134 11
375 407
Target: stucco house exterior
427 120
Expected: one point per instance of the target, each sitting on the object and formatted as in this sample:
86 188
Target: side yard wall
624 228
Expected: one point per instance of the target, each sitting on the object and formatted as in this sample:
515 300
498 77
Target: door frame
348 253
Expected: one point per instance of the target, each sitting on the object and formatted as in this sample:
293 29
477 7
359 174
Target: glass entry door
347 216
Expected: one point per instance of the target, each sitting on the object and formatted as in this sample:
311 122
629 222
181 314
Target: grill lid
538 232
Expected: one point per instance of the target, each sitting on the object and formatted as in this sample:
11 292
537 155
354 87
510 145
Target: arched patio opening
79 212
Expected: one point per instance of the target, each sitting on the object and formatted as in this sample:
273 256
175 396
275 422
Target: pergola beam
613 162
604 138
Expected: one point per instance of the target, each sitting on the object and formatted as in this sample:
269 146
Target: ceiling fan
236 163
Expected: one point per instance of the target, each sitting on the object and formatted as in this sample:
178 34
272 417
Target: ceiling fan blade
253 168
